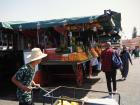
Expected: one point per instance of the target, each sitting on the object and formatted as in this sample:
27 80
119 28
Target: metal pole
1 38
18 38
38 27
45 40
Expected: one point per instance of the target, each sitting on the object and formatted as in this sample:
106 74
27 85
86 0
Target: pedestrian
23 78
94 64
136 52
110 72
125 57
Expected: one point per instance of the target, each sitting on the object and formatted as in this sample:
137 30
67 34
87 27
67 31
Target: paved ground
129 89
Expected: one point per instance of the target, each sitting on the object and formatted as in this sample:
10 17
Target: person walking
125 57
136 52
23 78
110 73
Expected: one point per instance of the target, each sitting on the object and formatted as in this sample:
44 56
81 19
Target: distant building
131 43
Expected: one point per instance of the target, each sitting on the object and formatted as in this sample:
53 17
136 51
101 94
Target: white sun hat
108 43
36 54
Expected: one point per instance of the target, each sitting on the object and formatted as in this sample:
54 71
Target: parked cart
63 95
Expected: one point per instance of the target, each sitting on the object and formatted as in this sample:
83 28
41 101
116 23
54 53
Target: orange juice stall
70 44
73 66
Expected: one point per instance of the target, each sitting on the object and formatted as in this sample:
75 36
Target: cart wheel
79 76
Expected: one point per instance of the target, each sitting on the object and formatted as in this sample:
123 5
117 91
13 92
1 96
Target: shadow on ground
120 80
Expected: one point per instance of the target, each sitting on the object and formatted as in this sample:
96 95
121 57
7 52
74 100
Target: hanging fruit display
98 50
94 53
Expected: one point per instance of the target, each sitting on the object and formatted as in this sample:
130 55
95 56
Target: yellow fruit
74 103
63 102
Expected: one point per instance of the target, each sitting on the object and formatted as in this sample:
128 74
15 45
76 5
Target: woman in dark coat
125 57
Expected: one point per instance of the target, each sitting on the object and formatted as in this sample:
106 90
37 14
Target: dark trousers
26 103
111 78
125 69
124 73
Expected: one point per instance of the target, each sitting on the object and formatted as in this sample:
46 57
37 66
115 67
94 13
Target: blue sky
34 10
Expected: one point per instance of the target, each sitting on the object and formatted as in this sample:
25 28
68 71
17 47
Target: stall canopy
54 22
109 20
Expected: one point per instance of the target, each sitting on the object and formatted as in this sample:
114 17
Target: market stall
75 41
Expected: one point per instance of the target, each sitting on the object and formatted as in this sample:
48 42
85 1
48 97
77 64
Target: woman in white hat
23 78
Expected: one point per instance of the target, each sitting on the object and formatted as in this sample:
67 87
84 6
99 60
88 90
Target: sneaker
115 92
123 78
110 96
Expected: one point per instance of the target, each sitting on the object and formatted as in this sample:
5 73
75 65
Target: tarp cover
108 21
5 25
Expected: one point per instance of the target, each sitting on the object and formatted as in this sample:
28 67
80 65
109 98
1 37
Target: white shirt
94 61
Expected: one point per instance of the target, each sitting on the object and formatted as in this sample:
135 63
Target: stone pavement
128 89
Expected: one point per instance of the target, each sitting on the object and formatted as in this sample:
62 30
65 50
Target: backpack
116 61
